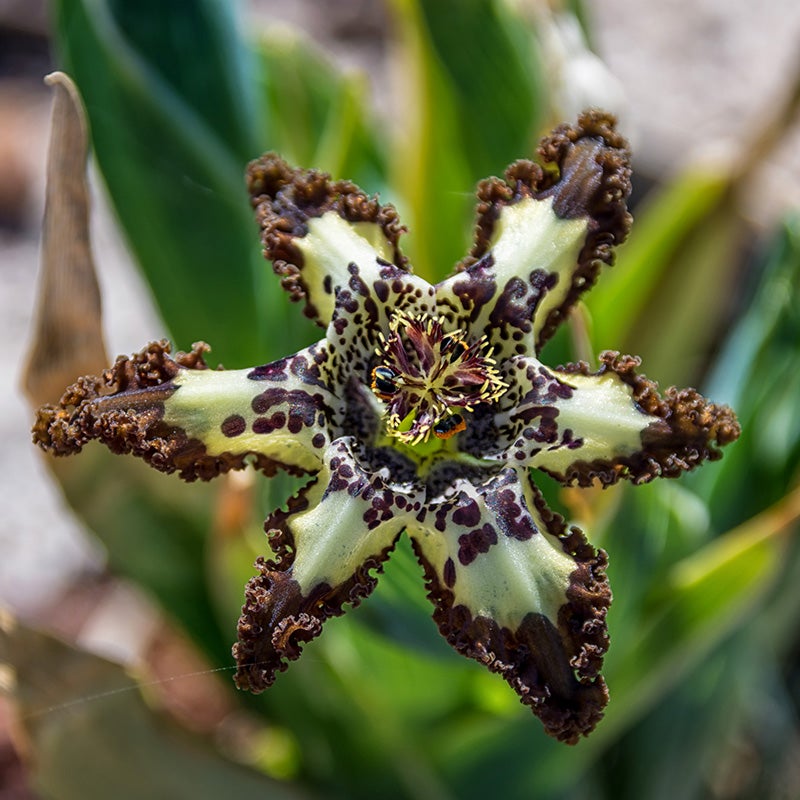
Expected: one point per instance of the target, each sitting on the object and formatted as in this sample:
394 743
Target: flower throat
427 377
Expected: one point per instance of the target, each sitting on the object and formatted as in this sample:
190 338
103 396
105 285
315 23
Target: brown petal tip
285 198
688 430
124 407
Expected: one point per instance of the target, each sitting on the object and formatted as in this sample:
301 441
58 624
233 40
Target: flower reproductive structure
424 409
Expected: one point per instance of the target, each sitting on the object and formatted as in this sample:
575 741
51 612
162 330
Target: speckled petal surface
363 309
336 531
542 236
522 594
181 416
424 409
581 425
314 229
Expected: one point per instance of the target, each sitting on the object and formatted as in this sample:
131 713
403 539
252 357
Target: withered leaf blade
67 337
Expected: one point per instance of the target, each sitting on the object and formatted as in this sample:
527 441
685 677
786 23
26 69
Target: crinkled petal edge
587 173
688 429
286 198
277 618
554 670
124 408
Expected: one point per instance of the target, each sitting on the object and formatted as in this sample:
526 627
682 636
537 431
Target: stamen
428 378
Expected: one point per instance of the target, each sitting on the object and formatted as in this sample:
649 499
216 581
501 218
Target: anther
383 382
449 426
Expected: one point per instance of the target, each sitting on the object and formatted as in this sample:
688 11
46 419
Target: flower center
427 377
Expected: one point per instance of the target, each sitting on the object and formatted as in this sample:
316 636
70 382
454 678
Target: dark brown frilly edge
690 430
285 198
124 407
585 168
277 619
554 670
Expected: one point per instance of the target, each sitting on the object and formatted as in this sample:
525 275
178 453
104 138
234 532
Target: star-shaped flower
424 409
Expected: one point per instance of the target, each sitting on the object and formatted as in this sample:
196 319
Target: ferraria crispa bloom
424 409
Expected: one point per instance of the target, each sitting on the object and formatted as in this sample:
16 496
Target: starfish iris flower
424 409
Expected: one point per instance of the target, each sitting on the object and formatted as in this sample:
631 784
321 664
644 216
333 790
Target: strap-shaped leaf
172 149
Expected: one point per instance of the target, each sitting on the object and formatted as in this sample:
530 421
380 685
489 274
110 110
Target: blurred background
120 589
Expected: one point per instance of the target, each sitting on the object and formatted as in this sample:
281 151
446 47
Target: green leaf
467 65
319 115
196 51
758 374
490 57
624 295
702 598
429 168
172 136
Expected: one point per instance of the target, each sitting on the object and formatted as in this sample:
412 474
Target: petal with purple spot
518 591
542 236
180 416
341 527
315 229
580 425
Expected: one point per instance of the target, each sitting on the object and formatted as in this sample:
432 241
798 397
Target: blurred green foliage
704 626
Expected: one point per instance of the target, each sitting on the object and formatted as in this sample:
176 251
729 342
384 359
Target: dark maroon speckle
269 424
269 372
381 290
449 573
472 544
467 513
233 426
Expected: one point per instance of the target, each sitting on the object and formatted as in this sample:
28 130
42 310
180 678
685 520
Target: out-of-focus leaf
218 85
702 597
693 300
318 113
399 609
663 222
94 736
174 167
67 335
154 528
578 9
758 373
362 667
474 104
491 60
430 171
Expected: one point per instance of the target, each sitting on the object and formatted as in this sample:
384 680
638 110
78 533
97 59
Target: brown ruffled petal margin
124 408
690 430
550 653
586 170
285 198
277 619
554 670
